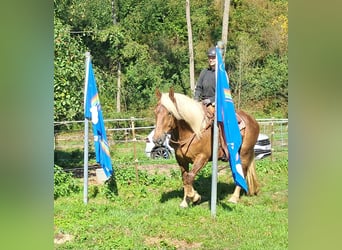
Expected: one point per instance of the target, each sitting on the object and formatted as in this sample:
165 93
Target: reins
191 138
183 142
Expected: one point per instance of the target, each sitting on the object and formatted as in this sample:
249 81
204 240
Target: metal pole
214 170
214 162
86 131
272 137
85 171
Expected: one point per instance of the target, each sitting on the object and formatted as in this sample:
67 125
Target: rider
206 84
206 87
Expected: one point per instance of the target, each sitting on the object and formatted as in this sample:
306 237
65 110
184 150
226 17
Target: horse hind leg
251 179
235 198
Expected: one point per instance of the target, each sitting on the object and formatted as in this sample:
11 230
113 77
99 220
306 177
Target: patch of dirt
164 169
178 244
152 169
61 238
160 169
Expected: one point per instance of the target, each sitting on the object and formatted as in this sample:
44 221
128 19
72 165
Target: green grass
147 215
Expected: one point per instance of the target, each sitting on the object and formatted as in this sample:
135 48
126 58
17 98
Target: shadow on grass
112 185
70 159
203 187
171 195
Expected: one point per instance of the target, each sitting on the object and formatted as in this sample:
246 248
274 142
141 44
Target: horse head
165 120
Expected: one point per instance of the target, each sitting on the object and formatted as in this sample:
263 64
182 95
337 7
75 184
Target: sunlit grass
147 215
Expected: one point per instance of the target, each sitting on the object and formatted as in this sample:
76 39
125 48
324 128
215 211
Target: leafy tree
84 15
149 41
141 77
257 53
68 75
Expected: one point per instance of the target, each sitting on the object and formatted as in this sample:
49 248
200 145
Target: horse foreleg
185 202
190 194
184 170
189 180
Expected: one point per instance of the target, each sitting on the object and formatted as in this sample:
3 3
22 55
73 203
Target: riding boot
223 145
211 110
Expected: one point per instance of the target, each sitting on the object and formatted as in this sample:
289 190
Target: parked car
262 148
153 151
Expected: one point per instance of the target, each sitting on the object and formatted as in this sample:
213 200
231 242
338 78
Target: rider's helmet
211 51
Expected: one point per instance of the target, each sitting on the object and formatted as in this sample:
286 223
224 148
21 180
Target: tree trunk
113 12
225 23
239 83
191 49
118 94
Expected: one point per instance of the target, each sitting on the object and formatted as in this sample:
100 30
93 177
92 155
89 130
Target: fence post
126 135
272 137
135 150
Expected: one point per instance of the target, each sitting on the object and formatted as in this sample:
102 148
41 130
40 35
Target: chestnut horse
191 137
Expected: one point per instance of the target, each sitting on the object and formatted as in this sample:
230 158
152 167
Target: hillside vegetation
146 43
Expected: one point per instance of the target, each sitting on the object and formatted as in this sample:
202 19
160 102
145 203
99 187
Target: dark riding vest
206 86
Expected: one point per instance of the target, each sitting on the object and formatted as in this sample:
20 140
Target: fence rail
276 129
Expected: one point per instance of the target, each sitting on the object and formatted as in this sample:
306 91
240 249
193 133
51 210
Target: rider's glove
206 102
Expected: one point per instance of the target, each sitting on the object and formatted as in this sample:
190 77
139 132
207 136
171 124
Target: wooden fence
125 130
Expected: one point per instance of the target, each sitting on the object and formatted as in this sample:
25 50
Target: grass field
145 213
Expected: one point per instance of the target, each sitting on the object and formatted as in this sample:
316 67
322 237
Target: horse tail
251 177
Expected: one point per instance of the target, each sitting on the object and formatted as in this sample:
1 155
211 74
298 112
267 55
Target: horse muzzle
159 140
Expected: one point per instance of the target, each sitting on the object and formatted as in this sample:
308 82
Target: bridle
190 139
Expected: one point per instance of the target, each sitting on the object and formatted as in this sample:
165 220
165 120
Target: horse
191 137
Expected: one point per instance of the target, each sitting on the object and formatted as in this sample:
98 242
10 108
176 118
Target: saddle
210 113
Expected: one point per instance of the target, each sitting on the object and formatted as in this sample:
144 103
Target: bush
64 183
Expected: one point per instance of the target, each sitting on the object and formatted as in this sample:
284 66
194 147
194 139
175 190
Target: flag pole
215 156
86 132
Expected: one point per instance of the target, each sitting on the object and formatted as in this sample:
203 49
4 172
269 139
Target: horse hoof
197 198
184 204
233 200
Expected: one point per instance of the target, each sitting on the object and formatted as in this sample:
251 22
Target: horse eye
169 113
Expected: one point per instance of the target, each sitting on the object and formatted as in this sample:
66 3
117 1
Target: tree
225 25
191 49
151 41
69 73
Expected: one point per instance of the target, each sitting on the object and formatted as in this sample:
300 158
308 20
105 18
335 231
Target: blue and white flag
93 112
226 115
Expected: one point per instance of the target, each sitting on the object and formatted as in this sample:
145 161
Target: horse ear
172 95
158 94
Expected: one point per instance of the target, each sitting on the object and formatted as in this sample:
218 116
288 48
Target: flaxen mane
187 109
